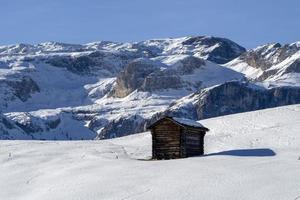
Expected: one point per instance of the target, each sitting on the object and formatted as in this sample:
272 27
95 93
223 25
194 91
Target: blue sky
247 22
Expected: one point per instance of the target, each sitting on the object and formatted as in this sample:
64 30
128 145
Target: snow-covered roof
182 122
188 122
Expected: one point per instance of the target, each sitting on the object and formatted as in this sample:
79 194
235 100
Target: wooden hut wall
193 142
166 140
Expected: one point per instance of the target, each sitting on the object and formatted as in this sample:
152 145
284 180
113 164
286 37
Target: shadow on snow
263 152
245 153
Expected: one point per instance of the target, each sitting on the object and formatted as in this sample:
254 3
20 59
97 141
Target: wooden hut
177 138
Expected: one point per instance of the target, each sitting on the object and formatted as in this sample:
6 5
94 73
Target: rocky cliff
232 97
109 89
273 64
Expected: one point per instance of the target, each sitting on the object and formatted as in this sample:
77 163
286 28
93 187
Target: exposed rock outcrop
230 98
17 88
122 127
133 76
268 55
95 63
160 80
221 50
269 63
169 72
24 88
110 89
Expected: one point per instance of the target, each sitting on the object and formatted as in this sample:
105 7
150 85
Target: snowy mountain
272 64
173 72
253 155
108 89
218 50
229 98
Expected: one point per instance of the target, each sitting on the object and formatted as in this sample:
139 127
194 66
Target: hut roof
182 122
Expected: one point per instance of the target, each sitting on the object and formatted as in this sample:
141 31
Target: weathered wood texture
166 140
193 144
171 140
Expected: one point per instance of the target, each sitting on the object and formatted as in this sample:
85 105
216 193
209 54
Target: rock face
7 127
266 56
18 88
272 63
133 76
169 72
230 98
148 75
23 88
96 63
188 64
57 91
223 50
215 49
160 80
53 126
122 127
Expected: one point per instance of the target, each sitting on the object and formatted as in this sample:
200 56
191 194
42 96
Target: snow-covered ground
251 155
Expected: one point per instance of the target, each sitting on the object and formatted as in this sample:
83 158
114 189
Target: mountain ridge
106 89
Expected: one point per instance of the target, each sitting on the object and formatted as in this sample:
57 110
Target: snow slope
58 89
252 155
272 64
55 90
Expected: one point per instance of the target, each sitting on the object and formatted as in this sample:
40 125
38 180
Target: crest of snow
17 49
57 46
171 60
99 89
188 122
265 47
210 49
212 74
285 63
168 45
270 53
109 46
284 79
206 75
289 79
142 103
189 99
297 44
240 66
